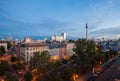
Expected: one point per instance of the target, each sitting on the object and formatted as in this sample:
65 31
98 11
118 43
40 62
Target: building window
27 49
27 53
33 48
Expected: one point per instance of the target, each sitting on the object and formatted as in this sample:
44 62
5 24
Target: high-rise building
64 36
59 38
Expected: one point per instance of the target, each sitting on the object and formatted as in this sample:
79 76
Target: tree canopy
47 69
8 45
4 68
2 50
28 76
10 77
86 56
40 59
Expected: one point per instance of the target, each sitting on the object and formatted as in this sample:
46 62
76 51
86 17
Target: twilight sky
50 17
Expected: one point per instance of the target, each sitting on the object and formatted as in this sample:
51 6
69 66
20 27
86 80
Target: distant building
54 52
59 38
110 45
17 41
27 40
61 50
105 46
3 43
10 38
64 36
114 46
57 50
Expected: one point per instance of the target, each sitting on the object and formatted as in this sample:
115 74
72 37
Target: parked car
92 78
97 73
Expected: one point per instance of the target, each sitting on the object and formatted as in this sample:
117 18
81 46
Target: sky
52 17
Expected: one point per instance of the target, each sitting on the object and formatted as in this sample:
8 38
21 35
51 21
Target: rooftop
2 41
32 44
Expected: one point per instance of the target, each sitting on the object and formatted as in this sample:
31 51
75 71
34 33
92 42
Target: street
111 73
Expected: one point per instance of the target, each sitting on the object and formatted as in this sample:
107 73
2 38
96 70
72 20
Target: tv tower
86 30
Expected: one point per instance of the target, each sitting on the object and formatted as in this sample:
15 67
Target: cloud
103 16
113 32
44 27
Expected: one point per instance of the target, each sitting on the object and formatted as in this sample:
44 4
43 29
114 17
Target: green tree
10 77
8 45
57 77
86 56
92 53
13 58
64 61
42 62
112 53
2 50
18 65
57 64
28 76
4 68
72 41
73 58
81 55
67 74
1 54
39 59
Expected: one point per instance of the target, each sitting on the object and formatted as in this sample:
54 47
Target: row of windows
30 53
36 48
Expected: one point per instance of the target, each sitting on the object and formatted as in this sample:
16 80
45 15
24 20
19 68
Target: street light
2 80
75 76
100 62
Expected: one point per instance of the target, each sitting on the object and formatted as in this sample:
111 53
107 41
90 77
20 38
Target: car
92 78
97 73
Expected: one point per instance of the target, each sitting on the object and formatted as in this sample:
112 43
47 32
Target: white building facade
27 50
4 44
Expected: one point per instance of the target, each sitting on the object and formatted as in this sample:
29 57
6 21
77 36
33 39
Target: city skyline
49 17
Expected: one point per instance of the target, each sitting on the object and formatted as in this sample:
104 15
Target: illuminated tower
86 30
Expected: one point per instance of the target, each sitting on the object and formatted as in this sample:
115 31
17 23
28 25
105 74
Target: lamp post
75 76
